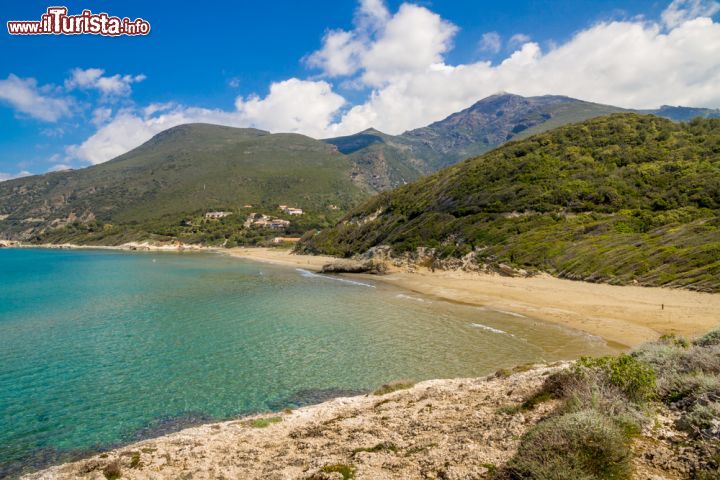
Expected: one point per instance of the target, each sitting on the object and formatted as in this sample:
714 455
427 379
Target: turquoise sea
100 348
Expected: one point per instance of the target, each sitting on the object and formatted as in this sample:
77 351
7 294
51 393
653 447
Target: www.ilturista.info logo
57 22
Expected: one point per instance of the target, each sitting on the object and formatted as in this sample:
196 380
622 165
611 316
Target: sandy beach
622 315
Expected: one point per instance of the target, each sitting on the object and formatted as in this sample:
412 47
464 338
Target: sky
326 69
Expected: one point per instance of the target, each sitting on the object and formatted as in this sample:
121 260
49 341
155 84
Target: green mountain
184 171
620 198
387 161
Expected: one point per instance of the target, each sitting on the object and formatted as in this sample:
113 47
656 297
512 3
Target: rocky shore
439 429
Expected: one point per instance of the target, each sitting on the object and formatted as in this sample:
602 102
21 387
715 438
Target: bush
701 420
112 471
709 339
577 446
633 377
688 388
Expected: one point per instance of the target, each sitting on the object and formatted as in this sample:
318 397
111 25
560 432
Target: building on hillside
278 224
291 210
247 206
217 215
258 220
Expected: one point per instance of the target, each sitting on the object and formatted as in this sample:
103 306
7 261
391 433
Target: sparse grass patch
347 471
263 422
394 386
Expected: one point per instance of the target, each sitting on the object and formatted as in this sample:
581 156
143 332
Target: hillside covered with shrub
621 198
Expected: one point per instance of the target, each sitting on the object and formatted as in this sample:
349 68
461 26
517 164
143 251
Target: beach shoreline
623 316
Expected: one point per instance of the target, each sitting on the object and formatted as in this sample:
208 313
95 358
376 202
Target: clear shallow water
99 348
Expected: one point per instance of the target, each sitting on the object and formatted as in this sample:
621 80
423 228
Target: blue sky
325 68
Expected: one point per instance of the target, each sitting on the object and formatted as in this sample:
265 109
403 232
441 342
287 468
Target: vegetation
394 387
264 422
181 174
347 471
605 403
582 445
112 471
618 199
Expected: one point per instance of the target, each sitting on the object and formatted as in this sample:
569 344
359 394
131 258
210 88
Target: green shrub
688 387
112 471
576 446
633 377
347 471
700 419
264 422
711 338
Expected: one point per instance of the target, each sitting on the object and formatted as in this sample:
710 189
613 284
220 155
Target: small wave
490 329
309 274
408 297
505 312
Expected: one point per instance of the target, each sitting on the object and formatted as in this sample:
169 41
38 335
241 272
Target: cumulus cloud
680 11
490 42
24 95
94 78
634 63
384 45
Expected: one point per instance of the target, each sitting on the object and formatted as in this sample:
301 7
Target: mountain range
193 168
385 161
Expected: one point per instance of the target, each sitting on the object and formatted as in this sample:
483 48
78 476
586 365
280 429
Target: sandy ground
622 315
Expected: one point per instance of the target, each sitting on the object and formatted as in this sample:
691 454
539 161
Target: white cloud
94 78
101 115
634 63
10 176
385 45
24 95
490 42
291 106
518 39
680 11
60 167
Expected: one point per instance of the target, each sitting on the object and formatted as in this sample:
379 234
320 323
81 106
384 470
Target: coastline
447 416
625 316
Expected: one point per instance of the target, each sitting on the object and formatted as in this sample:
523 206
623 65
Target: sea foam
309 274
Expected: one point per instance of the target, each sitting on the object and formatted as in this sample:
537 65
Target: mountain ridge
623 198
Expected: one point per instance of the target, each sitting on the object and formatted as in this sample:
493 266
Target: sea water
99 348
